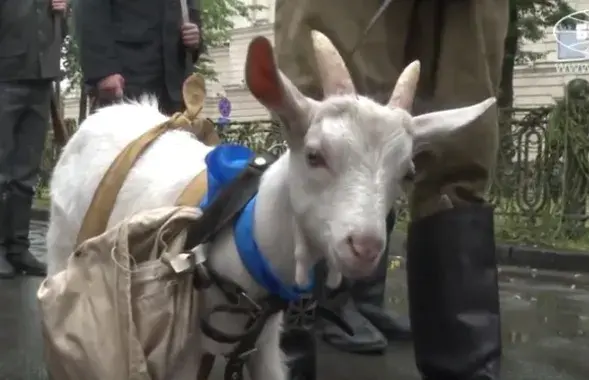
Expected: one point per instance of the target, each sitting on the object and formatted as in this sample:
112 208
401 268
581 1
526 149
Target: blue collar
224 162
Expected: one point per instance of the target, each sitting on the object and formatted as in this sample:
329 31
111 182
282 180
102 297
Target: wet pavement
545 323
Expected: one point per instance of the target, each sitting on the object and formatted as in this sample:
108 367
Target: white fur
302 213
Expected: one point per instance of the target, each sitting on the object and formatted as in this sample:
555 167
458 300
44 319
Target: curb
520 256
543 258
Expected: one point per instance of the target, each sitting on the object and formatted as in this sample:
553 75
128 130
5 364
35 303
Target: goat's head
348 154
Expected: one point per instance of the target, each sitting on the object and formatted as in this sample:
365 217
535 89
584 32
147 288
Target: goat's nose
366 247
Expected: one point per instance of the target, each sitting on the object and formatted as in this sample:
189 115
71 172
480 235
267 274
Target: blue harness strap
224 163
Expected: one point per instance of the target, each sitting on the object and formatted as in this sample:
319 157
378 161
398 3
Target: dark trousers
24 120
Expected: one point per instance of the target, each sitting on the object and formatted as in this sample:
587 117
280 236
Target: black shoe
27 264
453 294
17 218
367 339
394 327
6 269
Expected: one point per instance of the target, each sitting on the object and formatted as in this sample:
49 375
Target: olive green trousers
460 46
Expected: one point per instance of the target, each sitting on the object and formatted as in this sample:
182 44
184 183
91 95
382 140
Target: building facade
535 84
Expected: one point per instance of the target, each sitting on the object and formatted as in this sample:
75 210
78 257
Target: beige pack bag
125 307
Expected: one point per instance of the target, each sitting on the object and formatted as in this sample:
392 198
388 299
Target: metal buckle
244 355
251 301
202 278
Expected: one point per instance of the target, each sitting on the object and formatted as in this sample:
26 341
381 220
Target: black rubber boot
19 209
6 269
454 296
298 341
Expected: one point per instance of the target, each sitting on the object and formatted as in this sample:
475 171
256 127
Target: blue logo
224 107
572 36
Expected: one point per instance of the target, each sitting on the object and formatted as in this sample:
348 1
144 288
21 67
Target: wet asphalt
545 329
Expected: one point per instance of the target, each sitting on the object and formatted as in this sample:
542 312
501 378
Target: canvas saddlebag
125 307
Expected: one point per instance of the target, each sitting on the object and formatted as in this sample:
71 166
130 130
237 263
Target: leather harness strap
219 214
195 191
98 213
206 366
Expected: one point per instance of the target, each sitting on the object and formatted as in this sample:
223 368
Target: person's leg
167 105
24 161
451 264
12 105
343 21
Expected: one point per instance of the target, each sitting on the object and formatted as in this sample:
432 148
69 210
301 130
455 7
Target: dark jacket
139 39
30 40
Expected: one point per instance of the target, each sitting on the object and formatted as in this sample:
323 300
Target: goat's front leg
303 259
267 363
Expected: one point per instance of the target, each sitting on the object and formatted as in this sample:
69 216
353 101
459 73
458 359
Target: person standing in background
31 33
130 48
451 263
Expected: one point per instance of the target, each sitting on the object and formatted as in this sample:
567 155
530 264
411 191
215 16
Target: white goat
332 189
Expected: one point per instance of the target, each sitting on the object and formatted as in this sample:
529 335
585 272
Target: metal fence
539 188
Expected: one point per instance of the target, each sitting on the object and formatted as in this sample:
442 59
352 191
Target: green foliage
69 56
529 21
218 19
535 18
218 23
568 127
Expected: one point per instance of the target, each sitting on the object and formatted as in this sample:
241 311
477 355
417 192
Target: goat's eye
315 159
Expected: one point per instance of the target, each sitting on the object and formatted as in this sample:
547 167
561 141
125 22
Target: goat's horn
331 66
404 91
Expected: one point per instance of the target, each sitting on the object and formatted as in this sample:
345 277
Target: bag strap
230 200
105 196
194 191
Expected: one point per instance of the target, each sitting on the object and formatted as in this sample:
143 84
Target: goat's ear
431 126
275 91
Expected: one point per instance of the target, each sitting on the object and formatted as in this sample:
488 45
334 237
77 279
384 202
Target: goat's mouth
350 265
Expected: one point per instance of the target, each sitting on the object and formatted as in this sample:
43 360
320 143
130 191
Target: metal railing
539 188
